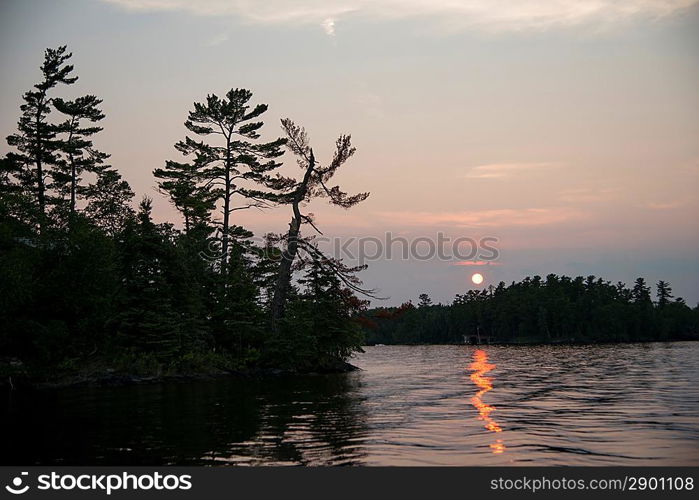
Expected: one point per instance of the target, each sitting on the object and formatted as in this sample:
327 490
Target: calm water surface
634 404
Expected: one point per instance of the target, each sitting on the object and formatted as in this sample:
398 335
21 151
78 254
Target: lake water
631 404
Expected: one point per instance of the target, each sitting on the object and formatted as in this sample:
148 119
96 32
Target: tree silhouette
180 181
78 150
664 293
236 166
424 300
313 184
109 202
557 309
105 289
36 137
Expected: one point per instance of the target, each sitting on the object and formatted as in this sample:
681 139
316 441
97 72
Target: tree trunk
73 187
40 193
281 290
73 175
226 209
40 170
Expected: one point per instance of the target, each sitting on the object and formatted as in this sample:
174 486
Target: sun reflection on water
480 367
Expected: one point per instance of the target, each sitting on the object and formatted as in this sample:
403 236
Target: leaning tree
313 184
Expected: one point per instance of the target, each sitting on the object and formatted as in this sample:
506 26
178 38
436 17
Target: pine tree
147 318
36 136
234 167
108 206
664 293
424 300
78 151
640 292
180 181
321 329
16 203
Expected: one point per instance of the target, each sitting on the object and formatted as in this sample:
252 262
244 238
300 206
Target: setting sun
477 278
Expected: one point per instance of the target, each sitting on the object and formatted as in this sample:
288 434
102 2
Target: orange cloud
486 218
665 206
503 170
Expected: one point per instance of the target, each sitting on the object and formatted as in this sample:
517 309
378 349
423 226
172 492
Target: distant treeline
552 309
90 283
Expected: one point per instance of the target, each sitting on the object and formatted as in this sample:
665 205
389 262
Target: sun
477 278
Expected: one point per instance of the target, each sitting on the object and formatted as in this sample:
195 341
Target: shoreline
534 343
21 381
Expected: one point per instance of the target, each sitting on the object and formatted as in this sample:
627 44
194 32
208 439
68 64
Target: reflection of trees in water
315 420
301 420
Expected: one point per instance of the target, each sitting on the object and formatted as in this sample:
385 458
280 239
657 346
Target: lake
623 404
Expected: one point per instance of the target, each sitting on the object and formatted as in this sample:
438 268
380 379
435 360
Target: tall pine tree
35 139
78 152
234 166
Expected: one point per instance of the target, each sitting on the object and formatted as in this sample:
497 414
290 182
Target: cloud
497 218
216 40
589 194
328 26
492 15
665 205
502 170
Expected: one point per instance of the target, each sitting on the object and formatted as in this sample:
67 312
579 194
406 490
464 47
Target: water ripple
632 404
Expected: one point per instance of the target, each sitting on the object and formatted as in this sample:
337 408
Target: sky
566 129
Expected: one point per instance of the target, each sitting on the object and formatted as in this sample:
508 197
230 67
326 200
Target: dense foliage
554 309
90 283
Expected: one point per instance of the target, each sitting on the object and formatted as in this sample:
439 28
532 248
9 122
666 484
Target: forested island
91 286
555 309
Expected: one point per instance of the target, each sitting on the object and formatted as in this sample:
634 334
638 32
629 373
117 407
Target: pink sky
567 129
